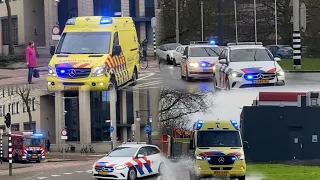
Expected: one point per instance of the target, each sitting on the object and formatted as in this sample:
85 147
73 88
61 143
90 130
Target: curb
58 160
17 167
5 77
302 71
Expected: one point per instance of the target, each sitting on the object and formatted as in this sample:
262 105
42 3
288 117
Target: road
81 170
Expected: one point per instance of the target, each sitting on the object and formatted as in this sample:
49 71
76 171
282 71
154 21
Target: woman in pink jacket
31 60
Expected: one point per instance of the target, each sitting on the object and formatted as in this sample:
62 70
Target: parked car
164 52
177 55
281 51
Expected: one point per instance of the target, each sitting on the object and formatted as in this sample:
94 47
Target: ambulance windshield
84 43
31 141
218 139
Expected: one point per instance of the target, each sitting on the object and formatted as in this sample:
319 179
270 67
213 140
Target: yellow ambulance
95 53
217 150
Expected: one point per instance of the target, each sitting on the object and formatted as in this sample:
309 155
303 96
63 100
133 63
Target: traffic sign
64 132
153 22
111 128
147 128
55 30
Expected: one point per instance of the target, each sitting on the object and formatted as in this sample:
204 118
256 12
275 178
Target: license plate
72 88
221 173
261 81
207 70
34 156
103 173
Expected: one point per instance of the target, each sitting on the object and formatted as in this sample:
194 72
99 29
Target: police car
198 59
247 64
130 161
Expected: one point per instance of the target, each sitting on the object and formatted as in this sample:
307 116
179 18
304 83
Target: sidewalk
5 166
74 156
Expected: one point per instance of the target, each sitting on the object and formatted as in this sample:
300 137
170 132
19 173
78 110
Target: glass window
219 139
72 117
1 113
27 127
244 55
149 8
28 141
143 151
172 46
123 152
130 114
5 31
204 52
84 43
152 150
15 127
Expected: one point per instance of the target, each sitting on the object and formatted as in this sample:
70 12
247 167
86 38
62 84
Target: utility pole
177 21
149 117
255 21
235 19
201 20
220 22
276 21
296 37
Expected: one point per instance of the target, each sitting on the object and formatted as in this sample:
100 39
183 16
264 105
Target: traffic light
8 120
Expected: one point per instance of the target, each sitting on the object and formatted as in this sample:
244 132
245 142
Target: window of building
72 118
9 109
27 127
15 127
3 91
13 109
130 114
132 8
5 40
1 112
149 8
17 106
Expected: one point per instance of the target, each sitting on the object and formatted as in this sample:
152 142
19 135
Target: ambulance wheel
132 174
134 77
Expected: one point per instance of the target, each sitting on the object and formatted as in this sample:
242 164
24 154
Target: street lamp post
235 19
255 21
276 21
201 20
177 21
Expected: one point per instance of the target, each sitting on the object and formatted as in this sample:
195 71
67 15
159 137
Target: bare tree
24 93
176 104
11 48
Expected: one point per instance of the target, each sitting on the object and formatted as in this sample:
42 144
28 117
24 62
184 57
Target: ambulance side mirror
52 50
116 50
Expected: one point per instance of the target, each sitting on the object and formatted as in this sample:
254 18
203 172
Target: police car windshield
28 141
123 152
244 55
84 43
204 52
219 139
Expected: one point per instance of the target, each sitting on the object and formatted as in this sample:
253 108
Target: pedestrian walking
48 145
31 60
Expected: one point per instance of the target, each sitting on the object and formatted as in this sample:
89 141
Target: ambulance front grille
216 160
105 169
73 73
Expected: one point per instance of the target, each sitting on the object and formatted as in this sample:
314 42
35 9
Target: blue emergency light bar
199 124
38 135
105 20
235 124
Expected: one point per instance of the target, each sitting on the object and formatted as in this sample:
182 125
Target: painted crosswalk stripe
89 171
79 171
67 173
42 177
55 175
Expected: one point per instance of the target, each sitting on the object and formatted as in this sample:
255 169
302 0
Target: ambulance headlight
198 157
120 167
99 71
51 71
236 74
240 157
280 73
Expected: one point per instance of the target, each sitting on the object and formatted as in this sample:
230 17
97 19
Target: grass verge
284 172
310 64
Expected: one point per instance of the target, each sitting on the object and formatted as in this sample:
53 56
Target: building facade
84 115
33 20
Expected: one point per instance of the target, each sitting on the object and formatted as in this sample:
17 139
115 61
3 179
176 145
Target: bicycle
70 148
143 60
86 149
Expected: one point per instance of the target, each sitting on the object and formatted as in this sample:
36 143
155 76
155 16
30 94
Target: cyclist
144 45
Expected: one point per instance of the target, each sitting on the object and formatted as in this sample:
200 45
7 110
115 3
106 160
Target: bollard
154 44
10 152
1 146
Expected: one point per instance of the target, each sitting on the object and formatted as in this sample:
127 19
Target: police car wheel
160 169
132 174
174 62
182 76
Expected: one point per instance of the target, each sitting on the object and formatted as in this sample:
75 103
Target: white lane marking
147 84
89 171
55 175
67 173
155 78
145 76
159 177
31 176
79 171
42 177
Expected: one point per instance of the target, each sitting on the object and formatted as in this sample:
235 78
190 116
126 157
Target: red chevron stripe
129 164
148 161
138 162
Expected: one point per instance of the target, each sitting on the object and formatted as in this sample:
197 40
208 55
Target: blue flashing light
212 42
62 71
248 77
235 124
199 124
106 20
233 158
37 135
203 64
208 158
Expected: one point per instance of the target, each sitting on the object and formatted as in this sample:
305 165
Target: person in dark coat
48 145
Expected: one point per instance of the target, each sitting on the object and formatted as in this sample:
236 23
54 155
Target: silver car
164 52
198 61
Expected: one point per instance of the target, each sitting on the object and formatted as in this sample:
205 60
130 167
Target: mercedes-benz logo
221 160
72 73
260 76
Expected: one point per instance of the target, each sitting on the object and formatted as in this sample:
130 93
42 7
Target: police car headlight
214 68
198 157
280 73
51 71
99 71
236 74
194 64
120 167
94 165
240 157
